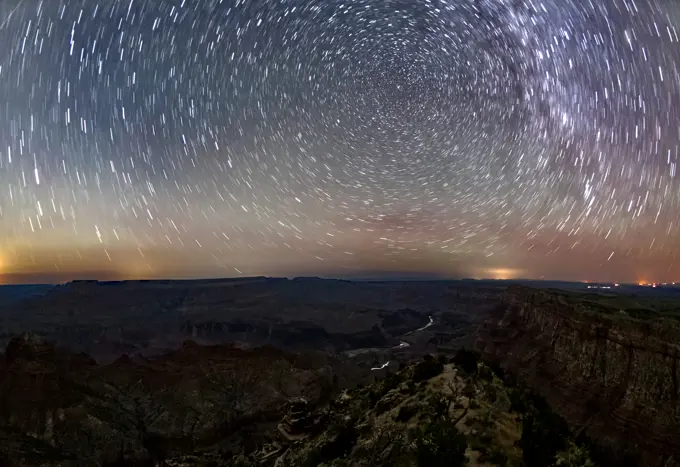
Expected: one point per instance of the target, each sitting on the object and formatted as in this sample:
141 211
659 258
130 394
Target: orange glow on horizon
504 273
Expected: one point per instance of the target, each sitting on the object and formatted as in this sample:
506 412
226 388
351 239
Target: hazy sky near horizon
476 138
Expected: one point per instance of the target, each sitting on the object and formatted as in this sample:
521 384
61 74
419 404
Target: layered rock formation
610 376
61 408
106 319
298 419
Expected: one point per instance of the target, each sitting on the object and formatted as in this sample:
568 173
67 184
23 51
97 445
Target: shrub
497 369
613 454
467 360
574 456
391 382
486 438
485 373
438 406
543 435
427 369
406 413
441 444
517 400
373 398
340 443
495 456
387 402
477 445
491 393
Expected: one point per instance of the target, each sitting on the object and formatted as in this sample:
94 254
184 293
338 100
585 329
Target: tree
136 412
231 391
467 360
427 369
543 435
441 445
574 456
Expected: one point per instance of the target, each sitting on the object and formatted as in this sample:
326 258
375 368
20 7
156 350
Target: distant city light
504 273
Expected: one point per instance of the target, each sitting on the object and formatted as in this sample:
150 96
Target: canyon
156 369
611 374
108 319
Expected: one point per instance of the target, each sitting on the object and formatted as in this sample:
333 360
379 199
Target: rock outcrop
62 408
298 419
392 422
612 377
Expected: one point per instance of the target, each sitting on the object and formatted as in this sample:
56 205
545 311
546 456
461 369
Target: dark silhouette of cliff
607 363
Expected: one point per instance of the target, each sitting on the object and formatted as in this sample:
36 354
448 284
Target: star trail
179 138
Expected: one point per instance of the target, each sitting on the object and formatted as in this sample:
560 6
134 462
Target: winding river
403 344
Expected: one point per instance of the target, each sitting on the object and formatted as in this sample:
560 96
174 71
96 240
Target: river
403 344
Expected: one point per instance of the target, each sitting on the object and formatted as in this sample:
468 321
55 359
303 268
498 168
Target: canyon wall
610 376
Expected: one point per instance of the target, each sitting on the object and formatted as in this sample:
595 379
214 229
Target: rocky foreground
221 406
433 413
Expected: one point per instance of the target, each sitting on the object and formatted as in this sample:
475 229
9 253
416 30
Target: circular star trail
177 138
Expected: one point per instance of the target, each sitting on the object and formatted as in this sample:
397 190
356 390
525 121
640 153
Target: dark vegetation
632 306
544 433
545 437
441 445
427 369
467 360
343 437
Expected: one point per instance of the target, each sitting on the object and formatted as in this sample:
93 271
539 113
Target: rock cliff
62 408
613 377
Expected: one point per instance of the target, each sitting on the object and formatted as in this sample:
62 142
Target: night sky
439 138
